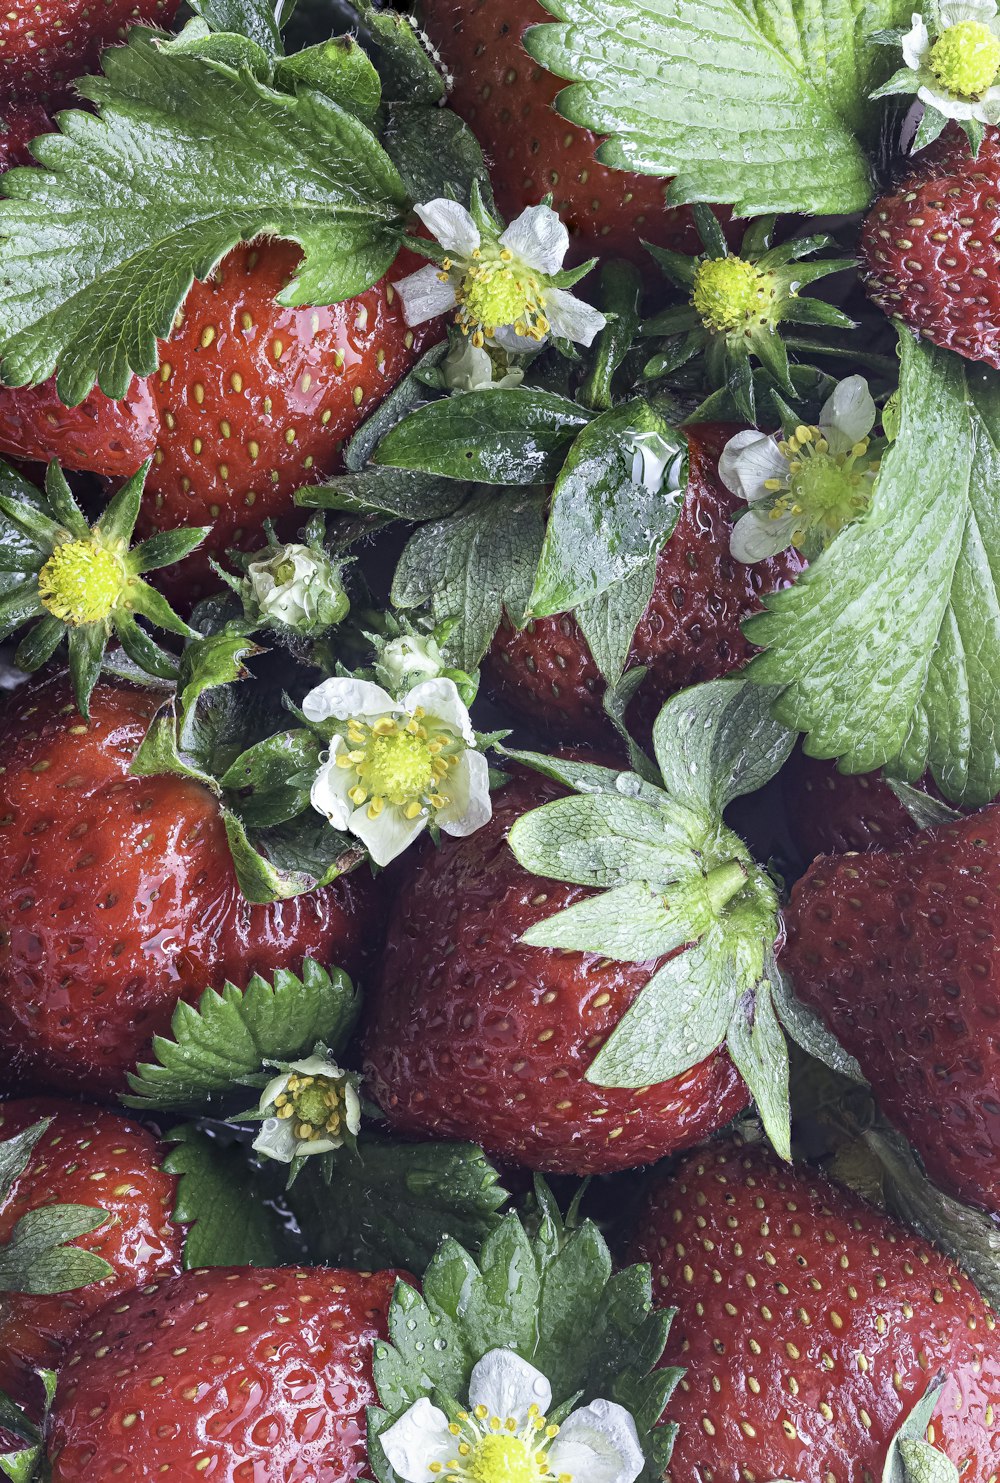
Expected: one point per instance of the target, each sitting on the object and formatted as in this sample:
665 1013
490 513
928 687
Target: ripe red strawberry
809 1325
118 895
86 1157
896 950
690 631
930 253
19 124
472 1034
231 1374
830 812
100 435
506 98
47 43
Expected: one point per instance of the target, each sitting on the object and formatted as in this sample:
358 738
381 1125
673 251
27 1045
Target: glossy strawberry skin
690 631
20 122
48 43
830 812
809 1325
506 98
118 895
233 1374
99 435
896 951
85 1157
473 1035
930 254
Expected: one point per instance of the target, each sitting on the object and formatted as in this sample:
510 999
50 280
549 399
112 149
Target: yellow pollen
728 293
82 582
966 58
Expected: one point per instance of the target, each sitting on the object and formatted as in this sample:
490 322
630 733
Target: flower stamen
83 581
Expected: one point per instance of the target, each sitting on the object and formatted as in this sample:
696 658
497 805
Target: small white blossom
505 1434
409 657
500 288
395 765
955 68
469 367
298 587
802 490
309 1109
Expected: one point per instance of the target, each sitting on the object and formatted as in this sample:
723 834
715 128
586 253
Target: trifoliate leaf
38 1256
609 622
472 566
231 1225
756 105
221 1044
608 517
500 436
718 741
390 1204
98 250
887 650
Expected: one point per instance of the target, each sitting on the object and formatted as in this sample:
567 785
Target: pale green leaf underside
888 648
756 105
98 250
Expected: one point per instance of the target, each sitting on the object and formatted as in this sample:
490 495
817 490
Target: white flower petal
539 238
748 460
991 105
572 319
848 414
469 786
387 835
328 794
420 1437
409 655
440 699
916 43
352 1107
277 1140
756 536
316 1066
954 12
507 1385
340 699
507 339
425 294
598 1443
951 107
451 225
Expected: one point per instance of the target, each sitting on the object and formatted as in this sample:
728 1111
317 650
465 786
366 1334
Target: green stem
724 882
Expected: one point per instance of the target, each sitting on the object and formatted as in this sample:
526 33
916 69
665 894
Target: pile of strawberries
811 1322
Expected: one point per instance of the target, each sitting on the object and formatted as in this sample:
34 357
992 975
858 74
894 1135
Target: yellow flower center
966 58
825 491
317 1104
728 293
404 761
491 1450
82 582
497 291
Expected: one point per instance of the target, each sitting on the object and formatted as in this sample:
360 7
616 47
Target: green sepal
932 124
911 1458
15 1154
38 1256
143 651
39 644
118 518
86 645
166 547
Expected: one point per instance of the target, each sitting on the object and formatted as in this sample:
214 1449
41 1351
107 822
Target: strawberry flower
469 367
308 1109
802 490
298 587
506 1434
396 766
505 286
952 67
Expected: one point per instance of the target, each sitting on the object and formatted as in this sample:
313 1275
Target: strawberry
929 253
118 896
85 1157
473 1034
250 402
689 632
225 1373
809 1325
506 98
895 951
47 43
19 124
830 812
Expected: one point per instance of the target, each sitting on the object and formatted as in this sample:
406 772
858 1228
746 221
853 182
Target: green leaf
256 19
231 1225
407 72
37 1257
752 104
887 650
620 298
435 153
269 783
759 1052
389 1204
609 840
603 525
472 566
499 436
397 492
338 68
97 255
609 622
222 1043
290 860
718 741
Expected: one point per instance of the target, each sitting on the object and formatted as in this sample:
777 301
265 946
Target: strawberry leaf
231 1225
759 105
887 650
38 1256
97 253
389 1204
255 19
719 741
222 1043
609 622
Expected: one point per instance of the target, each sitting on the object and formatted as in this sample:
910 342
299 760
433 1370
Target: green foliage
231 1225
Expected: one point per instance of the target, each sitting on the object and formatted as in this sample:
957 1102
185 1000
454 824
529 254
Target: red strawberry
232 1374
690 631
809 1325
19 124
106 437
930 253
118 896
507 98
474 1035
896 950
86 1157
47 43
830 812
